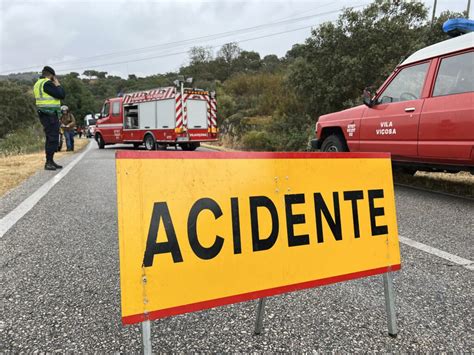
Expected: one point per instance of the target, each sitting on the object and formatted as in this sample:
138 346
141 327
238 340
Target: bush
24 140
255 140
17 107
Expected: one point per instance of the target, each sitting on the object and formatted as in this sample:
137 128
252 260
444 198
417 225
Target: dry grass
14 169
459 184
216 146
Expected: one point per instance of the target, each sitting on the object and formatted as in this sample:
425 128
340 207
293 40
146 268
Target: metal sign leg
260 314
146 335
390 304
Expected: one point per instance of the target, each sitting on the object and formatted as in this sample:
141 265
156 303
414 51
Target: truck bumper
315 144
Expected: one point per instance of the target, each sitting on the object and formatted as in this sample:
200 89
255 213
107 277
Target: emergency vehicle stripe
185 118
209 122
179 116
151 95
170 93
213 112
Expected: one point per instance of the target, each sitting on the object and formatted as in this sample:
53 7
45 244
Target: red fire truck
158 118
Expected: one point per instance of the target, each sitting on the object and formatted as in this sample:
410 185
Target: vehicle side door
447 120
116 121
103 124
391 124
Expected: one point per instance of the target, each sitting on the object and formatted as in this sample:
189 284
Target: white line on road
23 208
468 264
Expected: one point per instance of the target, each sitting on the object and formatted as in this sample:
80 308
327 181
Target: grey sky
35 33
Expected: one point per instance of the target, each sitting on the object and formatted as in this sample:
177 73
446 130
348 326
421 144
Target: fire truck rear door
197 114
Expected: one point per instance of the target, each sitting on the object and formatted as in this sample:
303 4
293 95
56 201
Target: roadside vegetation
264 103
461 183
267 103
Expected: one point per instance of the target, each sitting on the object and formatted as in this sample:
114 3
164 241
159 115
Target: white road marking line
468 264
23 208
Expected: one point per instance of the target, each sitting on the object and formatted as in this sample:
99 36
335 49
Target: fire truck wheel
189 146
333 143
149 142
100 141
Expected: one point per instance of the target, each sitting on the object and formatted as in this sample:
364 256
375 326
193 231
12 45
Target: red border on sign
253 295
127 154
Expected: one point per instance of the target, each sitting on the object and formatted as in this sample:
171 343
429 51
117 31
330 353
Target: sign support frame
146 337
260 315
390 304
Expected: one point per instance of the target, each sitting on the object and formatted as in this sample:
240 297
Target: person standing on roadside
68 123
48 93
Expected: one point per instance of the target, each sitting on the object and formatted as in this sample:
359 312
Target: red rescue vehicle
158 118
423 114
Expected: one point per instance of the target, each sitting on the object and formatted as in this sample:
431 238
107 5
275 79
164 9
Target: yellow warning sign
198 230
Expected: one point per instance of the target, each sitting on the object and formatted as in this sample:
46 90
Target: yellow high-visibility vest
43 99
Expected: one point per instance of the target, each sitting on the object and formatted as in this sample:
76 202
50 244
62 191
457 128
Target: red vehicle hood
350 113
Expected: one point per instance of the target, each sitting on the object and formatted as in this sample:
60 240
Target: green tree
200 54
271 63
247 61
79 98
360 49
89 73
229 52
17 107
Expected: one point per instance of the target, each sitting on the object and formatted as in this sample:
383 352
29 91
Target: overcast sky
66 34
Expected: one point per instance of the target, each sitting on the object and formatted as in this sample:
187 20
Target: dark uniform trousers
50 122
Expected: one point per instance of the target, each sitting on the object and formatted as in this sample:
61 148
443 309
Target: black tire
189 146
100 141
136 145
149 142
334 143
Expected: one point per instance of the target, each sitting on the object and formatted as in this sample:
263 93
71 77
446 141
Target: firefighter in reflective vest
48 93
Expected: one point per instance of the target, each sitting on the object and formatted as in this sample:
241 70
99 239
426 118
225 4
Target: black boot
49 165
57 166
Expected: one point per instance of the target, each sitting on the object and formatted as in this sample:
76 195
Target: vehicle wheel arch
334 130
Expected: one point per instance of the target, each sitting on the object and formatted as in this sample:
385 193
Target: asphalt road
60 283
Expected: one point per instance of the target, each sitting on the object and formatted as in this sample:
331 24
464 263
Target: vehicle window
105 110
116 108
407 85
455 75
